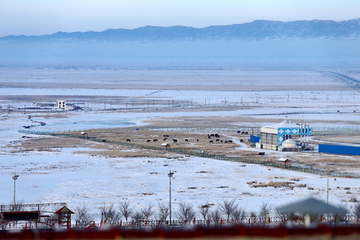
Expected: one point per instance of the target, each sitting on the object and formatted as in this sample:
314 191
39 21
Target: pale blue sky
36 17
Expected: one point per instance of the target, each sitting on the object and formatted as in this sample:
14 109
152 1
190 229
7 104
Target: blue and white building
279 136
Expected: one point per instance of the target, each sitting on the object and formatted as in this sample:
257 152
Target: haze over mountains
259 43
256 30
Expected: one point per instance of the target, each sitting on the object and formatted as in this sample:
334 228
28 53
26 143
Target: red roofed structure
64 217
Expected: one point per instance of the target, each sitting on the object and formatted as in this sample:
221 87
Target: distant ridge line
256 30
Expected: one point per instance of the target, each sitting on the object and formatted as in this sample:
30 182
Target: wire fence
236 129
239 130
212 156
196 153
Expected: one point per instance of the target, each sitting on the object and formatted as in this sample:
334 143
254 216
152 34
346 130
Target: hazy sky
37 17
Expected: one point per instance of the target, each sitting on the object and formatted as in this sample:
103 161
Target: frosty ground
73 176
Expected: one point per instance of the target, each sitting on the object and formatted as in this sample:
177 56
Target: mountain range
256 30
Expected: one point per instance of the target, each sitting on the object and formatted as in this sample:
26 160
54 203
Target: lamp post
170 176
327 198
15 177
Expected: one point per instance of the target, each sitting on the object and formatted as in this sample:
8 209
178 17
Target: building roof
283 124
289 143
64 210
311 206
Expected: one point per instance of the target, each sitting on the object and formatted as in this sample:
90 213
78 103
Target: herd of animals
209 136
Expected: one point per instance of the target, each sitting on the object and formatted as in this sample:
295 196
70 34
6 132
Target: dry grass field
195 141
258 82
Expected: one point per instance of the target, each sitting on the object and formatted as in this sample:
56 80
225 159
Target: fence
258 221
336 130
254 139
339 149
181 224
223 158
196 153
238 130
249 129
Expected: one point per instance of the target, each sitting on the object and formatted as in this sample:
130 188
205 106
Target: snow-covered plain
94 181
66 176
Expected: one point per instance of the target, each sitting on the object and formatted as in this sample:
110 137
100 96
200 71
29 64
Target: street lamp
327 198
15 177
170 174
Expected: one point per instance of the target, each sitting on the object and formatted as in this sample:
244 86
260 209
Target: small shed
165 145
84 134
64 217
284 161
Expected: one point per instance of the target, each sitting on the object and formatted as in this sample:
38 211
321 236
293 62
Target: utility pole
15 177
170 176
327 198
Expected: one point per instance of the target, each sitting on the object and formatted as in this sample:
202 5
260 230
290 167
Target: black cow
211 141
128 140
155 140
175 140
148 141
186 140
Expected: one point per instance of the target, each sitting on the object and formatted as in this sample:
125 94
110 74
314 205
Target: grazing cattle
211 141
226 142
217 140
242 132
128 140
212 135
165 136
241 140
246 133
197 140
165 139
209 137
186 140
238 131
175 140
155 140
148 141
217 135
221 140
229 141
